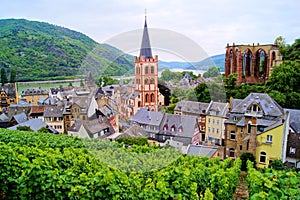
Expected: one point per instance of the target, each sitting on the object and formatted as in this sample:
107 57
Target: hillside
42 51
217 60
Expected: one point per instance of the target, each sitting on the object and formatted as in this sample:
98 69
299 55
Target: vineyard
46 166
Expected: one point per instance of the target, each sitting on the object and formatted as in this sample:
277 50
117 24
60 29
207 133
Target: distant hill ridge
42 51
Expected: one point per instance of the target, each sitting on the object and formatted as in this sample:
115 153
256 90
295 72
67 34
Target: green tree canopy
212 72
13 75
3 76
24 128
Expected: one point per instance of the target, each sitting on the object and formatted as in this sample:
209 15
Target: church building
143 92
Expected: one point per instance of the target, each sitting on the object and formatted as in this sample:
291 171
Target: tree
281 43
81 83
212 72
202 93
13 75
24 128
245 157
44 130
277 165
3 76
230 81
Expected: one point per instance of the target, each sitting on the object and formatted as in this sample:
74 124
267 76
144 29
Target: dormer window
254 108
165 127
173 128
234 118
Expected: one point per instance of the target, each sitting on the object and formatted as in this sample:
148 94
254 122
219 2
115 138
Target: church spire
146 48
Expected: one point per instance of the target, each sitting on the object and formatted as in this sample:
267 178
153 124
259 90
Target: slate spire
146 48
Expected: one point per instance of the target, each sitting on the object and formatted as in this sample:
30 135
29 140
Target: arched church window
152 69
147 98
138 70
152 97
152 81
146 81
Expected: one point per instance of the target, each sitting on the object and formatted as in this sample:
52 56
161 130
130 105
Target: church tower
146 75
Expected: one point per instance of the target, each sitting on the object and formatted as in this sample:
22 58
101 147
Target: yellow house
214 125
32 95
271 145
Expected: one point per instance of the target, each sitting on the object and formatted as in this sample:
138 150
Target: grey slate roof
9 89
200 150
219 107
294 119
269 106
191 107
4 118
54 111
34 91
145 50
35 125
20 118
235 102
187 123
134 131
143 116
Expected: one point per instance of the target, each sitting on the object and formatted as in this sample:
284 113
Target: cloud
212 24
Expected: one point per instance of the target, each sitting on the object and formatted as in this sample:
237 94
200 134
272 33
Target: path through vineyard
241 191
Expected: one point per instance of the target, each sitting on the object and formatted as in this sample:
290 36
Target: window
213 121
292 150
152 98
231 152
269 138
242 130
217 130
235 118
147 98
213 130
208 120
146 81
152 81
152 69
173 128
218 121
262 157
209 129
241 147
138 70
232 135
146 70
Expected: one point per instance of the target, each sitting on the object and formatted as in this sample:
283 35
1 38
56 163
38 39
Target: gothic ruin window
261 63
273 58
247 63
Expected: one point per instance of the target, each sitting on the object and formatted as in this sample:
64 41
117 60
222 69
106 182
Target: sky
211 24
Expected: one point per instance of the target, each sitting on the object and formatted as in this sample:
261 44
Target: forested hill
40 50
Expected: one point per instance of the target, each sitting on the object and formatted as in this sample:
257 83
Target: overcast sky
211 23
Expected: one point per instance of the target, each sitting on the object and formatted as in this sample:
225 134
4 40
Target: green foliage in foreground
46 166
273 184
